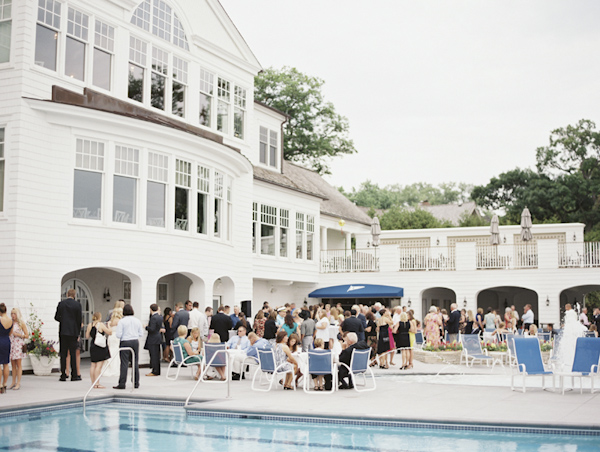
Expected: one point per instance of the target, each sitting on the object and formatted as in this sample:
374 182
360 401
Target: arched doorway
578 297
84 296
223 292
441 297
179 287
502 297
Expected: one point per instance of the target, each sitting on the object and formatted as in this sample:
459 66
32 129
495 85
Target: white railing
519 255
340 261
427 258
579 254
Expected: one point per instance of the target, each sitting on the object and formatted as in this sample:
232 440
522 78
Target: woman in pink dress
432 323
17 339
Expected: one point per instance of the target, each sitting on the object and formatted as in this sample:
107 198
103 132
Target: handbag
100 340
24 348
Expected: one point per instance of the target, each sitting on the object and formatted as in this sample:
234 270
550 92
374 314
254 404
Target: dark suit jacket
153 328
181 317
68 314
354 325
453 321
346 355
221 324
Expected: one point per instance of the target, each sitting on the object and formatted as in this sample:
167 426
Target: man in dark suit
350 343
453 323
181 317
221 324
154 339
353 325
68 314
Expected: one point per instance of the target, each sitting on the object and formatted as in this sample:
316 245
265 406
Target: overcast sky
436 91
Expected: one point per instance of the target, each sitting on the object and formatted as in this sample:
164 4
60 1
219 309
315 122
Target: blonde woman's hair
182 330
318 342
117 314
214 338
403 317
20 320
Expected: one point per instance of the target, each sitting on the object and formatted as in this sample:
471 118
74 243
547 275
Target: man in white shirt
129 331
203 323
583 318
280 320
195 314
528 317
241 344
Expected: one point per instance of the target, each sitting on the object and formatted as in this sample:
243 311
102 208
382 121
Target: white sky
436 91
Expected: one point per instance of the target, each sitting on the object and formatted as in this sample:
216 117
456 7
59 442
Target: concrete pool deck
480 396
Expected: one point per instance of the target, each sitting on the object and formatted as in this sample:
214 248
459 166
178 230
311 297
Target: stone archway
576 296
501 297
441 297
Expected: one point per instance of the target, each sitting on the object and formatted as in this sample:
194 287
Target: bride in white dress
114 368
572 329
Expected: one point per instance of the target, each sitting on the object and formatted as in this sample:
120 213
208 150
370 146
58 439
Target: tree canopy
402 218
314 132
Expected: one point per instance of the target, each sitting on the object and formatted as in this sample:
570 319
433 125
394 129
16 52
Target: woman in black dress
271 327
384 323
404 339
167 321
97 354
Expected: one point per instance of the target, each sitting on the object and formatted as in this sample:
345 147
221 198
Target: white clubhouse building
135 164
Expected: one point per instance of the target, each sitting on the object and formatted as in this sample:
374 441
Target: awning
358 291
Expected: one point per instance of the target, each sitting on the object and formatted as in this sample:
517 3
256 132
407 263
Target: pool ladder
106 367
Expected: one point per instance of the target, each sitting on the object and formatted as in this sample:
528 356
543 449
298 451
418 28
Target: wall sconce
437 242
409 304
547 300
504 239
465 302
106 295
574 237
368 244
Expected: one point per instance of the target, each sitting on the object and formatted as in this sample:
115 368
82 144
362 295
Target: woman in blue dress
5 327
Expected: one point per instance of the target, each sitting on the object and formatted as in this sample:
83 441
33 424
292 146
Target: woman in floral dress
17 339
432 323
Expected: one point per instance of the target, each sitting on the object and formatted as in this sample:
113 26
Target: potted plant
41 352
448 353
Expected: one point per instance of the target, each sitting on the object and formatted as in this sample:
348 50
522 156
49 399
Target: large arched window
157 17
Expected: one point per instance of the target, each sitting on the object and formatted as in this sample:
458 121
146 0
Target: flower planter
42 365
445 357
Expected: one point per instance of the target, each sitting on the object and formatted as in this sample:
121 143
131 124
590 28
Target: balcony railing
427 258
339 261
579 254
517 256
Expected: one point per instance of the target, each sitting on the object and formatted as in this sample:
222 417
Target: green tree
314 132
402 218
466 220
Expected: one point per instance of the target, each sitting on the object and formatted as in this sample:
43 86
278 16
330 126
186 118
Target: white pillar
348 241
323 238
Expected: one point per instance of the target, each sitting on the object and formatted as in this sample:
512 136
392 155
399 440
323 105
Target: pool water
129 427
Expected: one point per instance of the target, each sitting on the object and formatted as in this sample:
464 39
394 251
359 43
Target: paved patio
461 395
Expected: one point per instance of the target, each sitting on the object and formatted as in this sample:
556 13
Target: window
223 105
299 235
87 190
254 225
206 97
104 45
77 36
125 184
180 78
310 234
239 102
203 197
2 159
5 27
47 33
284 225
160 68
268 146
158 177
229 209
162 290
157 17
127 290
268 222
183 182
218 204
137 63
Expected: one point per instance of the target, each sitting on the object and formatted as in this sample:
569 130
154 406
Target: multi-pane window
5 31
157 17
299 235
180 79
239 103
284 227
158 177
87 190
207 81
160 68
229 208
254 225
2 159
310 236
268 223
47 33
268 146
77 36
137 63
104 46
224 98
218 204
127 162
272 148
203 198
183 183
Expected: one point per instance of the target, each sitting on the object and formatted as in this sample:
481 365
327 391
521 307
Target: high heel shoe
3 390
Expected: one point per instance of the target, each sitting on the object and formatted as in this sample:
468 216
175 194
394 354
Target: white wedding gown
114 368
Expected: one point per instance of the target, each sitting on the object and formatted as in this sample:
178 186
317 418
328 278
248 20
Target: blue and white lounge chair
320 362
472 351
419 339
359 365
529 360
585 363
268 370
510 345
215 355
179 362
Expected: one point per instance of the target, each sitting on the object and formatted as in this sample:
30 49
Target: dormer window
158 18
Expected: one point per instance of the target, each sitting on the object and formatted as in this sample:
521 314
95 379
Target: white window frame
270 140
207 88
183 179
147 16
52 16
158 172
93 161
104 41
3 171
162 292
239 108
224 101
6 20
127 165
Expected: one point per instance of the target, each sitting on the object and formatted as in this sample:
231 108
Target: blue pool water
128 427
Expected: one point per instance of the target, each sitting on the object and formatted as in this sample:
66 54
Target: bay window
5 30
47 33
183 183
87 189
158 177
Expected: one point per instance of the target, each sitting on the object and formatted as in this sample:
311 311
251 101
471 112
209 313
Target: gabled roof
333 203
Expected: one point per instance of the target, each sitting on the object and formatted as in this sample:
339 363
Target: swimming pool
134 427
